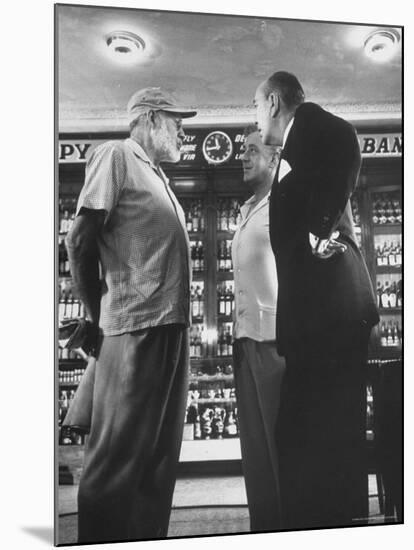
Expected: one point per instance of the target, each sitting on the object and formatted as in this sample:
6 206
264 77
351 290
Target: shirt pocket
267 322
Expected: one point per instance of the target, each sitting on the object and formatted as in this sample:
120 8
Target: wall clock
217 147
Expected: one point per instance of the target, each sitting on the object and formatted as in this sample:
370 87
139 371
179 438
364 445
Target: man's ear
274 104
151 117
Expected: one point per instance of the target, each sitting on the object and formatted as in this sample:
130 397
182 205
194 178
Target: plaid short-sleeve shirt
144 245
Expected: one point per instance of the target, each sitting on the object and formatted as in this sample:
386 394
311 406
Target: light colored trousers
258 373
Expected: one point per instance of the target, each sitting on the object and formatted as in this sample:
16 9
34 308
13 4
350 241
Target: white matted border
27 273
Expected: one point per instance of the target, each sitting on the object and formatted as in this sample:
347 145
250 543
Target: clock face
217 147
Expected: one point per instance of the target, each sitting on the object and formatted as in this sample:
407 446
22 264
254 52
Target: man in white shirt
258 369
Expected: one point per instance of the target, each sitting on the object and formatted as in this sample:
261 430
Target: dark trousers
321 436
131 456
258 372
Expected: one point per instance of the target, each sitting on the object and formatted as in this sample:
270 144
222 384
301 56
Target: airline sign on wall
194 148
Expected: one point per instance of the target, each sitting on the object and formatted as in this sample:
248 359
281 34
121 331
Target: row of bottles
389 294
70 308
65 222
389 254
211 391
225 298
224 261
197 300
386 208
197 256
194 214
66 354
197 340
213 423
67 208
70 377
66 435
228 212
390 334
225 340
214 371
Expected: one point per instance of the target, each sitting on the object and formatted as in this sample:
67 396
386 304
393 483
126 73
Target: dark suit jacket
318 297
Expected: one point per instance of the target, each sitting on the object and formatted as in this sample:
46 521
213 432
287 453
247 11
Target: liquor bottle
220 342
64 223
399 294
230 427
381 209
217 423
385 254
388 210
196 266
392 295
197 428
375 216
228 264
192 302
198 344
385 295
206 428
390 336
195 218
227 301
229 343
200 298
395 336
391 255
192 254
200 256
191 345
383 335
379 293
378 255
398 255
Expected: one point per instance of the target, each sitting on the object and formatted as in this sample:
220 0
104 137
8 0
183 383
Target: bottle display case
211 198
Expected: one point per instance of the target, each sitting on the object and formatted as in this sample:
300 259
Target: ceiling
214 63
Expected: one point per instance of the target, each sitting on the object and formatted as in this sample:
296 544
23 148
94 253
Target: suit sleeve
334 168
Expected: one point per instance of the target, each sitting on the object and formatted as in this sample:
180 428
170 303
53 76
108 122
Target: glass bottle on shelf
399 293
385 295
392 295
230 427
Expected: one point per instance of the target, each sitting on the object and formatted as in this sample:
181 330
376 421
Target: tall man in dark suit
326 309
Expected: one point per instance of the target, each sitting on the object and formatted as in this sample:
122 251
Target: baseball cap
158 100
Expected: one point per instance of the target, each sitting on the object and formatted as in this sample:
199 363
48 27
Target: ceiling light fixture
381 44
125 46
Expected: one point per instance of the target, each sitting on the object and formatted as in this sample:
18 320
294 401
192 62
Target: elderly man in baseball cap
130 228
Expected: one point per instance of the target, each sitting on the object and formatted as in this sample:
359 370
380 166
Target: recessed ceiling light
381 44
125 46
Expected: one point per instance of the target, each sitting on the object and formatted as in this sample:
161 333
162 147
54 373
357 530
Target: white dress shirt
255 280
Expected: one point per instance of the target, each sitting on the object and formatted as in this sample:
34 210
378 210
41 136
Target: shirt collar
288 128
139 151
250 201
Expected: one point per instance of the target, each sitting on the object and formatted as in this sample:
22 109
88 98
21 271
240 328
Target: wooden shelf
197 320
225 275
228 235
385 269
390 310
211 378
224 318
72 363
387 228
204 400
